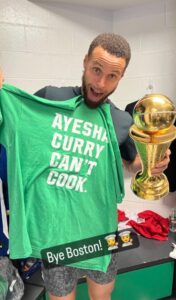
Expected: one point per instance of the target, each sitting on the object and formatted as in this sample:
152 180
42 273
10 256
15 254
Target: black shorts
60 281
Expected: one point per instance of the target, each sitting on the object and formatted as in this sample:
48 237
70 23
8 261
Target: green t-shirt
64 172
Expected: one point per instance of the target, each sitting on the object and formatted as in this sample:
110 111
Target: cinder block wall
151 31
43 43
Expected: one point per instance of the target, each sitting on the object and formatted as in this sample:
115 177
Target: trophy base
150 188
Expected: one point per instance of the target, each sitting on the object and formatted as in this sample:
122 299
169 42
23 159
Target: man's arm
131 160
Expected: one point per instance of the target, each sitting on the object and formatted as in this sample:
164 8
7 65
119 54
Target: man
104 66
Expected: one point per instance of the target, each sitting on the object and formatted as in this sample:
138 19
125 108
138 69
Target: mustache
88 101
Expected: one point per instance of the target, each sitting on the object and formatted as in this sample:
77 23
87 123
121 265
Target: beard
88 101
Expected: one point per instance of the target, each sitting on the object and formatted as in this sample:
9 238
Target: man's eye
112 76
96 70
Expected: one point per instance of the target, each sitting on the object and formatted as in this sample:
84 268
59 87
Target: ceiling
106 4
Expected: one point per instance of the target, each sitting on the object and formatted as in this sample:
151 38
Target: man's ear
123 73
122 76
85 61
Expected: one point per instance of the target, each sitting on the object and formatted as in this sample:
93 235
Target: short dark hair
114 44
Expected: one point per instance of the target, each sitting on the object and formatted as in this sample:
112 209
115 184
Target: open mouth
97 95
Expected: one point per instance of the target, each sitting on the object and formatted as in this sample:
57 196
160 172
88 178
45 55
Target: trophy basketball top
154 112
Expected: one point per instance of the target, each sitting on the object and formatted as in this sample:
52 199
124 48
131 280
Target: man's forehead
99 52
113 66
100 57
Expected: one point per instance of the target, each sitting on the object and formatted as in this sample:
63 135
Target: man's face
102 73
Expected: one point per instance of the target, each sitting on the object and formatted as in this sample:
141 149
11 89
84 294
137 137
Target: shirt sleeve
41 93
58 93
128 150
122 122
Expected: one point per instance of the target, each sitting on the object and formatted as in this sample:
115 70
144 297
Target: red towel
121 216
154 226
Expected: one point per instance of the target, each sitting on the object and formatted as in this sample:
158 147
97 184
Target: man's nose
102 82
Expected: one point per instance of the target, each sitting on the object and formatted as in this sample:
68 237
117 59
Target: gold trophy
152 132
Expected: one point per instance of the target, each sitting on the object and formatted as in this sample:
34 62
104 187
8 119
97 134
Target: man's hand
162 165
135 165
1 78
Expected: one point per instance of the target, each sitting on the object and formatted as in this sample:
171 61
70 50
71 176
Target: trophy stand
152 133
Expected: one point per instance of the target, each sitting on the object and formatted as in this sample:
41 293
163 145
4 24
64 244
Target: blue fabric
3 202
3 164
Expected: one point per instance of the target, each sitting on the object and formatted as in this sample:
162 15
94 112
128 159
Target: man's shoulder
122 122
119 116
58 93
129 108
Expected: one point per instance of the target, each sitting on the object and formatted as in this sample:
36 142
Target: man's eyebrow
100 65
97 63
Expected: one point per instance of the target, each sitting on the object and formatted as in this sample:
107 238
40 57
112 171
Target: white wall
151 31
42 44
